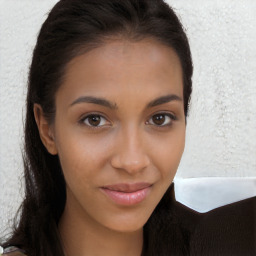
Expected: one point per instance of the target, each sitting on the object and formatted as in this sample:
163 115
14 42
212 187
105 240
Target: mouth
127 194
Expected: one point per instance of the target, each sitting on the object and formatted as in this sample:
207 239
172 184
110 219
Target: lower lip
123 198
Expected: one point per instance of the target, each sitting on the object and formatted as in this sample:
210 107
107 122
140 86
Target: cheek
167 152
81 157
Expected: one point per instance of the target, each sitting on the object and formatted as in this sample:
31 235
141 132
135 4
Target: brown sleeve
228 230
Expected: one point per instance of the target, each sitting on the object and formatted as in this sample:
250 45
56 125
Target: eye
94 120
161 119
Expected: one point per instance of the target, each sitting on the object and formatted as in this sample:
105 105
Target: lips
128 188
127 194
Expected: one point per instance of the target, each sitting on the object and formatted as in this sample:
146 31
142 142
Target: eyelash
82 121
169 115
172 118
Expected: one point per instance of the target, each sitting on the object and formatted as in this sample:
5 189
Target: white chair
205 194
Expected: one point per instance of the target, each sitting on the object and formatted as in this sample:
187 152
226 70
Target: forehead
125 66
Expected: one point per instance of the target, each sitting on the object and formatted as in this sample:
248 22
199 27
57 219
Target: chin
126 228
127 224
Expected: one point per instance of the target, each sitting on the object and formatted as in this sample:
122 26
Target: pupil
94 120
159 119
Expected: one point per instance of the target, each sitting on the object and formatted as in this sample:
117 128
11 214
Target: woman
107 101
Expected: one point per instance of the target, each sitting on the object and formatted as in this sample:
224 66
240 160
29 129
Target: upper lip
128 187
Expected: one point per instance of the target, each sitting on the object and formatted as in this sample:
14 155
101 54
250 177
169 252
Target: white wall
221 130
221 134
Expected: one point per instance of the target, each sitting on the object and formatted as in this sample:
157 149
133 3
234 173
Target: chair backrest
205 194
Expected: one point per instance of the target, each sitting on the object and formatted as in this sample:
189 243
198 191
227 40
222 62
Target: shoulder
227 230
13 251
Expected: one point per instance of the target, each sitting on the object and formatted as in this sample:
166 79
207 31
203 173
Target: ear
45 130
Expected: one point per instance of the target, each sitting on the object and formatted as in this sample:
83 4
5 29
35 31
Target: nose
130 154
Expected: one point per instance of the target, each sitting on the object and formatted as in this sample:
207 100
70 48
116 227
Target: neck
82 236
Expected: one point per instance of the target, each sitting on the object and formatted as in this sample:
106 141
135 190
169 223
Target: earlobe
45 130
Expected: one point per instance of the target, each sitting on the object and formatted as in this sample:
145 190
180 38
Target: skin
127 145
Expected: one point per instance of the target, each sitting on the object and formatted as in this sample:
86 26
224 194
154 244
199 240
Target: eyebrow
164 99
94 100
108 104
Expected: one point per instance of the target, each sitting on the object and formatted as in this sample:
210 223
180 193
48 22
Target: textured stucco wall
221 134
221 130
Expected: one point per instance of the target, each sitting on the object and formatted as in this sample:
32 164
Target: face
119 131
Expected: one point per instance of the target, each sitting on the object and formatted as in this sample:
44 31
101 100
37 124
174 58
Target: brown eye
161 119
158 119
95 120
